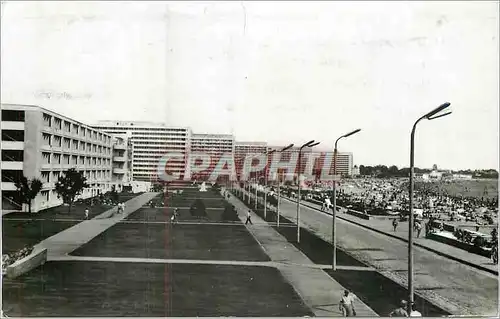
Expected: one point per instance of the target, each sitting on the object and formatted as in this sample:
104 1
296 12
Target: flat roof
28 107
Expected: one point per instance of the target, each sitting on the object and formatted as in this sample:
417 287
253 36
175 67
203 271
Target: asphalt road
455 287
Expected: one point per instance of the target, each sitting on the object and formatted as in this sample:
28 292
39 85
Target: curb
440 253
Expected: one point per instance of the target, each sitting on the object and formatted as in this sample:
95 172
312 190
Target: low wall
459 244
37 258
358 214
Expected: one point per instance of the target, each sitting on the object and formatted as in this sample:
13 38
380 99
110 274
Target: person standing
494 254
347 304
87 213
173 219
414 312
395 224
418 227
400 311
249 218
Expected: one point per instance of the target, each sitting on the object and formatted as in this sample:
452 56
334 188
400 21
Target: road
453 286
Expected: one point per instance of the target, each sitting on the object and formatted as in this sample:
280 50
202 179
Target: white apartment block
242 149
150 141
39 143
213 145
122 161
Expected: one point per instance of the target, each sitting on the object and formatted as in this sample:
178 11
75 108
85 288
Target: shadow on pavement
380 293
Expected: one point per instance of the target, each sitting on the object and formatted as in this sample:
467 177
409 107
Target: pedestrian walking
400 311
395 223
347 304
414 312
173 219
494 254
418 228
249 218
86 213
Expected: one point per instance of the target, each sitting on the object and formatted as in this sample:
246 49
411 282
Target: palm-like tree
28 190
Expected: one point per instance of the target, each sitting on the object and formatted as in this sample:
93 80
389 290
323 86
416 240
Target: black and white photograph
249 158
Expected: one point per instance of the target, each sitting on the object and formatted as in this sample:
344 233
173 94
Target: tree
114 194
28 190
198 209
70 185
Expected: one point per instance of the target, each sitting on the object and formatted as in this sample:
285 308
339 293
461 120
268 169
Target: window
13 135
57 158
46 158
47 120
13 115
46 139
66 159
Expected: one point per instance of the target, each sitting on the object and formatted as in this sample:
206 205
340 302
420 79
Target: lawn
380 293
180 241
315 248
19 234
25 229
93 289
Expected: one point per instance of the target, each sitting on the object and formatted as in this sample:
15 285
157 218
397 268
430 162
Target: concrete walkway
318 290
70 239
445 250
201 262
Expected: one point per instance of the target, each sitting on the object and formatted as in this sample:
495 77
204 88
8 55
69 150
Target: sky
281 72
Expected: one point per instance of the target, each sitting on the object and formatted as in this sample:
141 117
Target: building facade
150 142
39 143
213 145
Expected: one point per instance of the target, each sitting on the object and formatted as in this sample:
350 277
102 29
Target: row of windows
53 176
113 128
74 128
56 158
135 138
73 144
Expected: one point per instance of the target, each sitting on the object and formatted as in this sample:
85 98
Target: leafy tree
28 189
70 185
114 194
198 209
229 213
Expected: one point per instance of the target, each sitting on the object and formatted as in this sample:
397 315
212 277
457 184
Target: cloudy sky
278 72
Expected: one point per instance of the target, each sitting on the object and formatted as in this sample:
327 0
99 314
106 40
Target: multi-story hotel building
213 145
150 141
242 149
39 143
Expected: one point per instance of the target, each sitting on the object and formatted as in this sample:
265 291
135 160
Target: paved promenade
318 290
70 239
385 226
453 286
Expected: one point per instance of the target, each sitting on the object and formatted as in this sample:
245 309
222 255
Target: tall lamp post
308 144
266 174
334 201
429 116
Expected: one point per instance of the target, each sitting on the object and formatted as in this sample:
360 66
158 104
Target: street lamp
266 179
429 116
334 201
308 144
268 152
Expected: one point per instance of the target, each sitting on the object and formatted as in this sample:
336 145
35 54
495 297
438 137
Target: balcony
12 125
48 186
122 159
46 147
46 166
18 166
12 145
120 147
117 170
8 186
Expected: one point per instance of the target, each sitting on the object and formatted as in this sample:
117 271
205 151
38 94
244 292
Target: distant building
39 143
150 141
355 171
214 145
